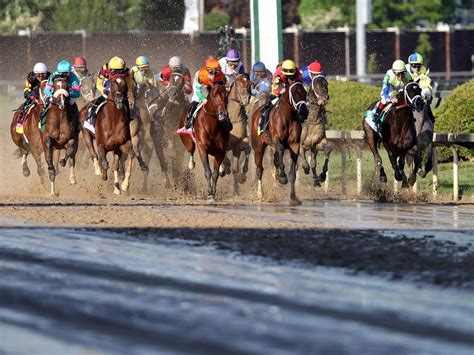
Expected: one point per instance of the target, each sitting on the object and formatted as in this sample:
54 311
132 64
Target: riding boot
190 117
264 114
23 111
93 109
42 123
75 112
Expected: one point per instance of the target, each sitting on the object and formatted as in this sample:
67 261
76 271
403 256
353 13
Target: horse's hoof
26 171
211 198
117 189
283 180
322 177
144 167
405 184
222 173
62 162
422 173
124 187
398 176
73 181
383 178
412 181
242 178
316 183
295 202
306 169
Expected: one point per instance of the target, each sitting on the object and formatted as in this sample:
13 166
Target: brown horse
30 140
112 134
285 130
398 135
61 132
212 128
313 134
239 99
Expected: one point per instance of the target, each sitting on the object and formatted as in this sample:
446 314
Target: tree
424 47
326 13
216 18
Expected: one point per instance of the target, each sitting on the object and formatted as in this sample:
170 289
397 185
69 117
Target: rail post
359 171
455 174
343 169
435 173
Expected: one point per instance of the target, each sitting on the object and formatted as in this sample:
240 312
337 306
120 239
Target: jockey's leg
43 114
93 109
189 119
265 112
24 108
75 111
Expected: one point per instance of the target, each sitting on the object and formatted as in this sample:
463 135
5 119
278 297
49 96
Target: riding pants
190 118
24 109
265 112
93 109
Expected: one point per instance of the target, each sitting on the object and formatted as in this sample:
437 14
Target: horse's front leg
49 161
258 156
279 153
429 161
104 164
115 169
218 159
71 151
134 132
401 168
236 152
127 151
88 141
292 173
393 160
304 162
207 172
245 168
313 164
415 153
326 148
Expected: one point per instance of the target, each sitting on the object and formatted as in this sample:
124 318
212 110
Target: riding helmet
258 67
315 67
142 62
64 66
175 62
117 63
398 66
40 68
415 58
232 55
213 63
288 67
79 62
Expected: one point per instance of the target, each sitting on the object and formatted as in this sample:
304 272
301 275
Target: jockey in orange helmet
116 66
204 79
285 75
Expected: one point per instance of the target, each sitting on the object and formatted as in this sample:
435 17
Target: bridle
296 105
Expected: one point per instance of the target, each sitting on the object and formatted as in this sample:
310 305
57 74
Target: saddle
19 126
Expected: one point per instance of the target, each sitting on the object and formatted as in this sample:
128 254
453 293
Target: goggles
233 64
416 65
213 72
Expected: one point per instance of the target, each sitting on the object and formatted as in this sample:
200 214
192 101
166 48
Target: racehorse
398 135
424 127
61 132
212 128
30 140
284 124
165 112
112 134
239 99
313 134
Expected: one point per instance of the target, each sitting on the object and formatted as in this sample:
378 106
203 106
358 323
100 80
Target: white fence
356 139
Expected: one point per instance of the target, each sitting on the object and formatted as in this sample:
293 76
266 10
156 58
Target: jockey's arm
386 89
48 90
75 86
131 89
198 90
28 89
100 83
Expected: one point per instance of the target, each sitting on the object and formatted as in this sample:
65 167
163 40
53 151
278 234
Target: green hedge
456 115
347 102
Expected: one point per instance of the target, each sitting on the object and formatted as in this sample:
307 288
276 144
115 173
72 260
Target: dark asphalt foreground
242 290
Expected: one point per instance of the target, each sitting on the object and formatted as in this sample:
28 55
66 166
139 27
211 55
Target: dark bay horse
61 132
30 141
398 135
165 111
285 131
112 134
239 99
313 134
212 128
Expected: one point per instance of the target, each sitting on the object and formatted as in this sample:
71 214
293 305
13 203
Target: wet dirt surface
138 275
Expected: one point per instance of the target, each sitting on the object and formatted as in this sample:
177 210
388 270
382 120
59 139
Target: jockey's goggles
213 72
233 64
41 74
416 66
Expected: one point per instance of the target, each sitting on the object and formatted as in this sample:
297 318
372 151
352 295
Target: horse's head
242 89
175 88
218 97
319 85
412 96
118 90
61 92
297 96
425 85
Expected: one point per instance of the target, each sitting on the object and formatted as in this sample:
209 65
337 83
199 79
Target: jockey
79 67
311 71
285 75
261 79
395 79
175 65
420 74
32 88
115 66
141 72
231 65
415 66
204 79
64 70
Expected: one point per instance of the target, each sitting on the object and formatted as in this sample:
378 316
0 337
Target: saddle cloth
369 116
19 126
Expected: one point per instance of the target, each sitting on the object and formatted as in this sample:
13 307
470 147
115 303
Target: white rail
356 139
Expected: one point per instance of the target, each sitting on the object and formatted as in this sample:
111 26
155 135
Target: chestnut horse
239 99
212 128
61 132
398 135
30 140
112 134
285 131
